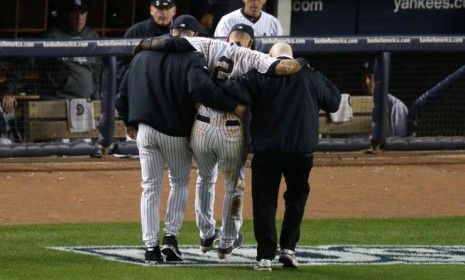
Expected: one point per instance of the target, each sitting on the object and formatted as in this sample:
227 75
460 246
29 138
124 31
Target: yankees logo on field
306 255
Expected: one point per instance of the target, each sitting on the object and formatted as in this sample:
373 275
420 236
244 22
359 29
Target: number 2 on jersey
221 72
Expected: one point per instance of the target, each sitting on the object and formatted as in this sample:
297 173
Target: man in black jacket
156 101
162 13
161 17
284 133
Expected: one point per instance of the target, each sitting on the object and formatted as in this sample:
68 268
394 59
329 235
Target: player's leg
152 163
178 156
203 142
232 164
296 173
266 176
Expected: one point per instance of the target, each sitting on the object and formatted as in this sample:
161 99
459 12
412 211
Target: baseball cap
163 4
244 28
74 5
187 22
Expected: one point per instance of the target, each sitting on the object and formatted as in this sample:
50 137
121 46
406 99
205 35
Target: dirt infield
62 190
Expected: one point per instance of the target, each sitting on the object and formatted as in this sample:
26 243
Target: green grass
23 254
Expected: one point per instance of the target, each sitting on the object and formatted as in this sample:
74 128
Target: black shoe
224 252
170 249
207 244
153 254
288 259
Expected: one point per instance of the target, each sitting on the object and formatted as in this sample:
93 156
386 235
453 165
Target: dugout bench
48 121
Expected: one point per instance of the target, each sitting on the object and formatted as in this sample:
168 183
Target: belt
207 120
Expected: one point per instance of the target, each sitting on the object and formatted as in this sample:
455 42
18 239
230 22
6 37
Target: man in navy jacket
284 132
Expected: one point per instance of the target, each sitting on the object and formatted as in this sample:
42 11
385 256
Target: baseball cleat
153 254
288 259
207 244
263 265
224 252
170 249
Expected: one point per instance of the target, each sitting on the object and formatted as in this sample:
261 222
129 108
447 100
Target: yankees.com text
428 5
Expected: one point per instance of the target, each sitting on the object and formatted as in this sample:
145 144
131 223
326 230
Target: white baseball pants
218 146
156 148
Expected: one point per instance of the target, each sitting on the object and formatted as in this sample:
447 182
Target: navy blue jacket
285 109
160 90
145 29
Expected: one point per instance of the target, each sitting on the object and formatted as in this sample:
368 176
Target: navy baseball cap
187 22
163 4
244 28
76 5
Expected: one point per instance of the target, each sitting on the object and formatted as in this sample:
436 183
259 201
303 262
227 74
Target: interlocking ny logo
80 109
306 255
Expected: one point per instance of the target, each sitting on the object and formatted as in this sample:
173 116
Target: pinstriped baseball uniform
154 148
266 25
218 145
157 96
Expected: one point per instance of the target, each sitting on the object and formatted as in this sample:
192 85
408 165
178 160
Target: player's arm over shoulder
166 43
266 64
289 66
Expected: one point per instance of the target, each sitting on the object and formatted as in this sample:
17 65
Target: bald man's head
281 49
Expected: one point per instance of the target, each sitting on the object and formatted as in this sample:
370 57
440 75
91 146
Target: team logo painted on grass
306 255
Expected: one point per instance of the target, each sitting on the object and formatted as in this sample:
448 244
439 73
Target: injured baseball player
160 116
217 136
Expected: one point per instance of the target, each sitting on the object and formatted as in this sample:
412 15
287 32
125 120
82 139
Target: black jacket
145 29
285 109
160 89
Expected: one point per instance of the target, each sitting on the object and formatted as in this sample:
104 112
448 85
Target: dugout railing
337 57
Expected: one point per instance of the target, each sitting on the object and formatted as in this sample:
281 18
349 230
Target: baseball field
379 216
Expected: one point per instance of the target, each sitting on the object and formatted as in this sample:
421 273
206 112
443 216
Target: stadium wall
373 46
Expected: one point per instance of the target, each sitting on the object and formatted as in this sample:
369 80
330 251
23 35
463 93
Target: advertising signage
366 17
323 17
